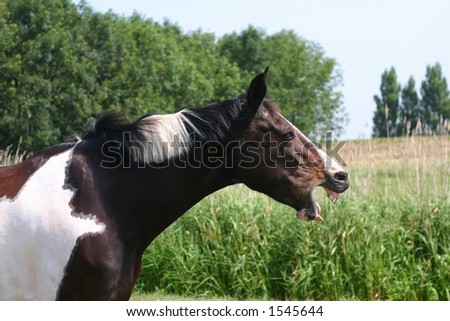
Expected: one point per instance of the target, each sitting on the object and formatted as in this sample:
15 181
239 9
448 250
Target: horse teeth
333 196
318 209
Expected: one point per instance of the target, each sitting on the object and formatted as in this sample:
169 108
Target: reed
9 157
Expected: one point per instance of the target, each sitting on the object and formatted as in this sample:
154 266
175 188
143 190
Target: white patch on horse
166 137
38 234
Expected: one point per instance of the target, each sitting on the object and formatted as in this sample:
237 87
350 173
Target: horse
76 218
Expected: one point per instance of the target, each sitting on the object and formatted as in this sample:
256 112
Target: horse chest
38 233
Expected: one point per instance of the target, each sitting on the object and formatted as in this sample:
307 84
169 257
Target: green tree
410 109
10 70
248 49
48 85
387 106
302 79
435 96
62 64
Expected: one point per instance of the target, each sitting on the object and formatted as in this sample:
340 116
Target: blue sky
364 36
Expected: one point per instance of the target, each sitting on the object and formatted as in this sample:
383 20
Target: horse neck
152 197
166 194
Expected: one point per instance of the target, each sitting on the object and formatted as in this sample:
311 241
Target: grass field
388 237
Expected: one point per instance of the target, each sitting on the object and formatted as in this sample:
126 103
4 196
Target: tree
247 49
435 96
410 108
302 79
386 113
62 64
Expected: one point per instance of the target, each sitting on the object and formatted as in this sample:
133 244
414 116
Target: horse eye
288 136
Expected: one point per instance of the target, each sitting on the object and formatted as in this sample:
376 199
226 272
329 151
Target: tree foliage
386 112
406 109
435 96
302 79
410 109
62 64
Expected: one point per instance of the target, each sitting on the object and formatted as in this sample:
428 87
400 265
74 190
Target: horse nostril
341 177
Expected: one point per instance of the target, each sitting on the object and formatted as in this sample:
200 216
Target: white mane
166 137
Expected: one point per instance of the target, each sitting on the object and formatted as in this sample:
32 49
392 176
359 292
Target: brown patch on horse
13 178
270 104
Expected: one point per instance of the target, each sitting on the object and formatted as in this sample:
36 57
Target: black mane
111 126
221 121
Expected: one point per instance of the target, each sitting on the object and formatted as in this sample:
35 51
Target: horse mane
219 122
157 138
110 126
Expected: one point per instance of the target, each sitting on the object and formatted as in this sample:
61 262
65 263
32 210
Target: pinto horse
76 218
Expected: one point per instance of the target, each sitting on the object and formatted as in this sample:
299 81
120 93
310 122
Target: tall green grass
388 237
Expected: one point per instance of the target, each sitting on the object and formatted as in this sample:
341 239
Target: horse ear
257 91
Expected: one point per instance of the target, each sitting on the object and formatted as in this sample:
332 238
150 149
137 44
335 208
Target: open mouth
312 212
